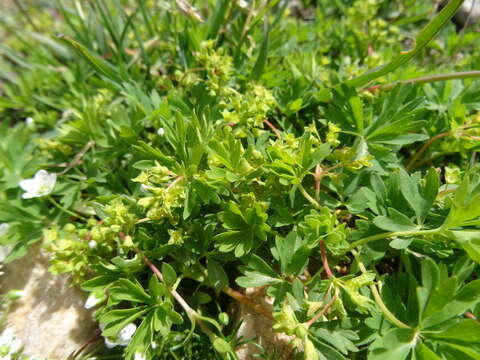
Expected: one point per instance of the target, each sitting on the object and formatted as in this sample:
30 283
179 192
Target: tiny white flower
125 335
161 131
4 227
8 335
92 301
92 244
123 338
110 344
42 184
242 4
15 346
154 345
139 356
30 122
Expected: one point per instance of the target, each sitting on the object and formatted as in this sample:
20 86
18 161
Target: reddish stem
412 163
469 315
248 302
318 179
370 49
317 316
328 271
274 129
153 267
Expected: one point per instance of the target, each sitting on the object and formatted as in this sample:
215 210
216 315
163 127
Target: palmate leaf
469 241
243 226
128 290
463 331
395 344
466 202
396 221
419 197
464 299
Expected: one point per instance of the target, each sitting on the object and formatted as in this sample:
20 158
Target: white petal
29 195
139 356
28 185
92 244
8 335
110 344
92 300
161 131
15 346
127 332
40 176
51 179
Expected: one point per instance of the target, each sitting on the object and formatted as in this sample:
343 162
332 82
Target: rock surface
259 329
468 14
50 318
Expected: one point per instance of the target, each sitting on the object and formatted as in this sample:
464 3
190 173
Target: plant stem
318 181
248 302
469 315
308 197
378 299
425 146
192 314
427 79
273 128
78 158
61 208
328 271
244 299
392 234
322 312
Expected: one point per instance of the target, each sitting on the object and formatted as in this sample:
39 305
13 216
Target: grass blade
100 65
262 57
421 41
218 19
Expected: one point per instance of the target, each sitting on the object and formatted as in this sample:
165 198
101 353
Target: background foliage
203 150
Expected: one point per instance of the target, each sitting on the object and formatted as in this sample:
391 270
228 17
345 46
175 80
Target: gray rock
50 318
467 15
256 328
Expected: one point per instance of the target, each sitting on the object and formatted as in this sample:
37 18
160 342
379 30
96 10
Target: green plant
200 151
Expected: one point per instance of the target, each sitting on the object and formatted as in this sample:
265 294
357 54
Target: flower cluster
165 189
250 108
